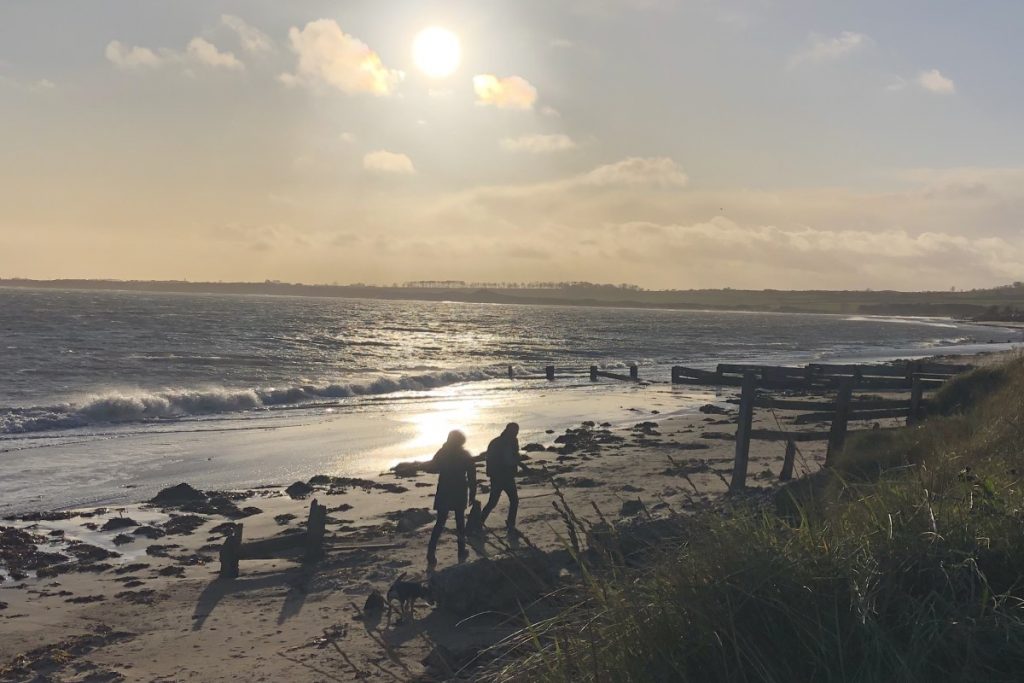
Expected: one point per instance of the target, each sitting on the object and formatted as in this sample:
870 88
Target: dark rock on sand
374 604
131 568
299 490
413 518
183 524
19 551
407 469
533 447
712 409
177 572
158 550
631 507
142 597
150 532
284 519
484 585
123 539
115 523
90 553
177 495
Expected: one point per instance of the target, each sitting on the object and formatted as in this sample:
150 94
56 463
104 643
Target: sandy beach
135 594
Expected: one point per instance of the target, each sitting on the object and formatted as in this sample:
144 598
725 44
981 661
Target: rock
183 524
284 519
374 604
131 568
90 553
484 585
407 469
712 409
319 480
176 495
142 597
299 490
411 519
158 550
630 508
629 488
578 482
123 539
115 523
176 572
533 447
150 532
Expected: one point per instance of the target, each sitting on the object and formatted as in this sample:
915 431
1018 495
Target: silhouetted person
502 464
456 485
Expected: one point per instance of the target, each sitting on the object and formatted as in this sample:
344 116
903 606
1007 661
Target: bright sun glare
436 52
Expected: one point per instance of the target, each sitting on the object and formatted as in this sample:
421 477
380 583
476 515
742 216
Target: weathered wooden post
549 372
511 374
315 529
787 465
916 395
675 374
593 373
230 553
634 372
837 434
743 426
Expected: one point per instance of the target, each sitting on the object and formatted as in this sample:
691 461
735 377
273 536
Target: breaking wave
117 407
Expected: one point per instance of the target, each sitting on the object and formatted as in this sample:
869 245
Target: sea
106 396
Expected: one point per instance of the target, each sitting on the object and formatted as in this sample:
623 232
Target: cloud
204 52
252 39
383 161
134 57
329 56
347 138
654 171
933 81
823 49
199 51
511 92
538 144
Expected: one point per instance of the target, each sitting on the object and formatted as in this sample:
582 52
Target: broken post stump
634 372
230 553
315 529
837 434
916 394
787 464
743 426
549 372
593 373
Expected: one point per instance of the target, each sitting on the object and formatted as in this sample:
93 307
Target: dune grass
903 562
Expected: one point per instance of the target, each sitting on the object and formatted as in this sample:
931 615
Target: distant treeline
997 304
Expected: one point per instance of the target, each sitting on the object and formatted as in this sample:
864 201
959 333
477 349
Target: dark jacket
456 477
503 458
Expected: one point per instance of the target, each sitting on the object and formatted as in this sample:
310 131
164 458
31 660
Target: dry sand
167 617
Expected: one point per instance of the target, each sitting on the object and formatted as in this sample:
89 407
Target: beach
142 599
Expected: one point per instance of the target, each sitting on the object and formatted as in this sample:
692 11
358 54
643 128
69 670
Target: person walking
456 486
503 462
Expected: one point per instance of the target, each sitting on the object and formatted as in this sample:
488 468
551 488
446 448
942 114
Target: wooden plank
837 435
612 375
743 427
865 370
853 414
271 547
826 406
801 437
761 370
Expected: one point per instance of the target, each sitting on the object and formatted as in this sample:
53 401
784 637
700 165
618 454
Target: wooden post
511 374
593 373
549 372
230 553
787 465
743 426
916 394
634 372
675 374
837 434
315 528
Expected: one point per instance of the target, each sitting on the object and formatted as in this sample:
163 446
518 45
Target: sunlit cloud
825 49
329 56
655 171
383 161
252 39
199 51
538 144
933 81
511 92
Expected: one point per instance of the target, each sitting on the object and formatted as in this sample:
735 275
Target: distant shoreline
996 306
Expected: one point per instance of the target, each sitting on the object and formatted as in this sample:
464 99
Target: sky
787 144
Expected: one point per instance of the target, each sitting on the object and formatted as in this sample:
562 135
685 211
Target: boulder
712 409
299 490
115 523
176 495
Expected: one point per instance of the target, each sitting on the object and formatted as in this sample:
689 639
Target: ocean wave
141 406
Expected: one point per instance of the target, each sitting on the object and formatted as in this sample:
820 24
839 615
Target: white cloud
538 144
252 39
204 52
383 161
511 92
134 57
329 56
347 138
655 171
823 49
933 81
199 51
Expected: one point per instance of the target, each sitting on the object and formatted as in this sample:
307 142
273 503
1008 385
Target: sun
436 52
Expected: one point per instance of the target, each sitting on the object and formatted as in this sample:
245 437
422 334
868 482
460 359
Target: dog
405 594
